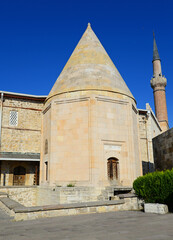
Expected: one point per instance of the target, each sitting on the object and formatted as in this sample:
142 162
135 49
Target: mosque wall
163 150
21 125
148 129
20 139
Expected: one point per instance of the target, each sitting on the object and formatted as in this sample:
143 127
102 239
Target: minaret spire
155 50
158 83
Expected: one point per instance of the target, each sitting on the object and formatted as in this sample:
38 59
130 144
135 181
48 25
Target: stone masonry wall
25 137
148 128
31 196
23 195
143 143
39 196
163 150
21 213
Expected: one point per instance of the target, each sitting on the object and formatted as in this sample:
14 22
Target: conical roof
89 68
155 50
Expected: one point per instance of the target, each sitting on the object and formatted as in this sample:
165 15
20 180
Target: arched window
46 147
113 168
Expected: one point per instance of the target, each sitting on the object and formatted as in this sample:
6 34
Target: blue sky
38 37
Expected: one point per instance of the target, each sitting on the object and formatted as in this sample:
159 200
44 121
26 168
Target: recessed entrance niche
113 168
19 176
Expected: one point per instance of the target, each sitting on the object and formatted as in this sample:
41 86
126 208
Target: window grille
13 121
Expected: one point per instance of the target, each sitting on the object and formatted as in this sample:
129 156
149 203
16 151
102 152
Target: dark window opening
46 165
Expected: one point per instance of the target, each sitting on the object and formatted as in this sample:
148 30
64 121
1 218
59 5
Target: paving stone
126 225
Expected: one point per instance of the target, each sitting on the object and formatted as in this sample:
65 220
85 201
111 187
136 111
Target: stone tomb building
90 123
86 132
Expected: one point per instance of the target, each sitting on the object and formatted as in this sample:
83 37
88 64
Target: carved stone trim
64 101
46 109
134 109
111 100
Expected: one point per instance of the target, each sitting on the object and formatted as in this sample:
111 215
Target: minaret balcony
158 81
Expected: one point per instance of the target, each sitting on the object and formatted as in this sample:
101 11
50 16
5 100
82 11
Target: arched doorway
19 176
113 168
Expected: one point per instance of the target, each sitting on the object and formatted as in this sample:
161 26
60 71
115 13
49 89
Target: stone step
123 196
111 191
3 194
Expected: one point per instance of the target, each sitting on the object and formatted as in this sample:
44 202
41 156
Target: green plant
71 185
156 187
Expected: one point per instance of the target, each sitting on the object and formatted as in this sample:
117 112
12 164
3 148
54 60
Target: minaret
158 83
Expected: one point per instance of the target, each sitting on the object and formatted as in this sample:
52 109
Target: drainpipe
1 129
148 149
1 116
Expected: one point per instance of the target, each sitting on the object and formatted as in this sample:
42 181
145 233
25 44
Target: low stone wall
131 201
39 196
20 212
163 150
77 194
26 196
42 196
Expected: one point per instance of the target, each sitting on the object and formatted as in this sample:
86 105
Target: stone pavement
4 218
131 225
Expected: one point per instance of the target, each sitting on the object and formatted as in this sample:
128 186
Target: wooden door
19 176
112 168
